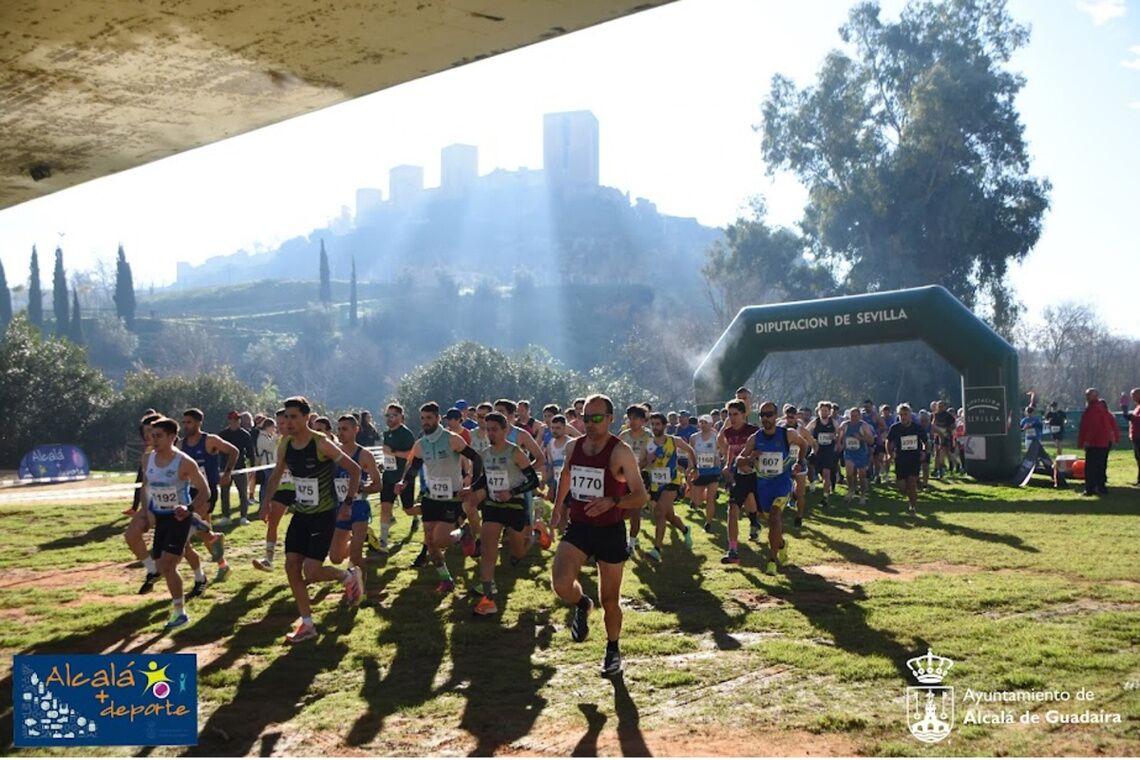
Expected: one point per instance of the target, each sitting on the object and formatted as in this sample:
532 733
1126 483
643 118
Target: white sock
148 563
199 575
306 620
384 532
269 547
177 605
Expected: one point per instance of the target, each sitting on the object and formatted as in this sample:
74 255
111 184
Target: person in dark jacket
235 435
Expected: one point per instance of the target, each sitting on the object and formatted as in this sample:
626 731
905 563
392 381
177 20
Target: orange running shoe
486 606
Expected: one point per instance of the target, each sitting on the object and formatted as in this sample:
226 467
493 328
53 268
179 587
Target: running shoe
218 548
223 571
466 541
244 521
485 606
445 587
731 557
910 510
754 533
304 632
544 538
222 521
654 554
177 620
709 528
611 666
353 587
770 568
580 623
421 559
782 555
382 547
148 584
199 587
798 522
374 541
688 536
263 564
130 511
823 502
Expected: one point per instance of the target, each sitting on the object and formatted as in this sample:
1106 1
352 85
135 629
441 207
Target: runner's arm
188 470
375 479
411 468
226 449
531 482
563 486
345 462
527 442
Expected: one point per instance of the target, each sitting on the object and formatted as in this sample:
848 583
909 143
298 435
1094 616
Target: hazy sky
677 91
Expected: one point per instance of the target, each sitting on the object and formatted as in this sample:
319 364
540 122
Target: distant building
369 201
405 184
459 168
570 148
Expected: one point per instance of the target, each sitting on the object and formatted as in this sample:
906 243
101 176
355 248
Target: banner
109 700
55 461
985 410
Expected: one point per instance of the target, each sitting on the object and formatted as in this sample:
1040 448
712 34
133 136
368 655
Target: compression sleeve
412 471
476 462
529 484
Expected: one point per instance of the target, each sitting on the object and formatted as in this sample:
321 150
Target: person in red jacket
1133 418
1097 433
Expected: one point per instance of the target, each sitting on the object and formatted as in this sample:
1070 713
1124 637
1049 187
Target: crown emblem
929 668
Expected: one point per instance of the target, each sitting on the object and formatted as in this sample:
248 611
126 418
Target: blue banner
115 700
55 461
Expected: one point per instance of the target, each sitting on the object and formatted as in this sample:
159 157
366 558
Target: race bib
770 463
440 488
826 439
164 497
308 492
852 444
587 483
496 481
706 461
909 443
341 489
388 462
794 452
1054 429
659 476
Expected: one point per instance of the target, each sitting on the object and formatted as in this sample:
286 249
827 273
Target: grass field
1024 588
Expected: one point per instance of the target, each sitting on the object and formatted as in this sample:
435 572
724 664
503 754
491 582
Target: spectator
266 455
367 435
1097 433
252 425
233 434
1133 418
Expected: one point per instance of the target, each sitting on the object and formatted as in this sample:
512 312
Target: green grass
1022 588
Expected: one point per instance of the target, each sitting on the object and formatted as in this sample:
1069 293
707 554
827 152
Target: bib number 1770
587 483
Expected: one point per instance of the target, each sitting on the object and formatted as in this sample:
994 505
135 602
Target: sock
306 620
732 546
269 547
199 575
384 527
444 573
222 563
148 563
178 606
611 646
488 587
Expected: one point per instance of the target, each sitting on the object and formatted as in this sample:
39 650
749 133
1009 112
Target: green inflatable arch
987 363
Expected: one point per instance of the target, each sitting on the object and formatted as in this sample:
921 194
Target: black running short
825 459
441 511
655 494
705 480
906 469
604 544
170 535
744 485
286 498
311 534
509 517
406 497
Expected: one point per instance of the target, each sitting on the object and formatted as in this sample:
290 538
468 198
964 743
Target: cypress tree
5 299
35 294
76 333
326 284
124 290
59 296
352 317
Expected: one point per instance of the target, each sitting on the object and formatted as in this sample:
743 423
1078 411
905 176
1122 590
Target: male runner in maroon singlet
601 481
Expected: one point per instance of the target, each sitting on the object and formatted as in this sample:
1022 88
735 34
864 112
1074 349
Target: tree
5 299
124 290
59 297
110 345
75 331
326 284
35 294
913 152
352 316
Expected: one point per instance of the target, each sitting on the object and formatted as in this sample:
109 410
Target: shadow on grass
95 535
630 738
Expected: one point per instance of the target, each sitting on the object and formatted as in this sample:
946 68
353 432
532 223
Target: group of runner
472 474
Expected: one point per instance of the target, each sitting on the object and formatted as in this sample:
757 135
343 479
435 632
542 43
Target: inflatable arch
987 363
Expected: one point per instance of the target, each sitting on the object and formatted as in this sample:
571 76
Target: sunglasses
767 414
594 419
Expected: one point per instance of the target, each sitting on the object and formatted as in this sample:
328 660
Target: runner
663 457
169 477
205 449
350 534
1031 427
528 423
745 395
398 441
906 442
823 430
323 424
525 441
856 438
507 475
576 421
139 524
704 489
435 458
599 484
731 440
265 449
924 423
798 457
555 452
311 458
768 452
279 501
943 423
1055 419
887 417
636 437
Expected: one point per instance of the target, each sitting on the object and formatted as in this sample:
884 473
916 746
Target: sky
677 91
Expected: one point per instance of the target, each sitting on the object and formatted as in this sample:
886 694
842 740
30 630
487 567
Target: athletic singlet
663 463
480 442
708 458
737 440
341 480
637 444
547 436
556 455
591 478
530 426
167 491
442 473
774 460
794 453
824 433
312 474
852 443
207 463
502 474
